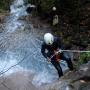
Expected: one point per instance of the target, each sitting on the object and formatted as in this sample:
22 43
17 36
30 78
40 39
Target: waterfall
18 8
19 42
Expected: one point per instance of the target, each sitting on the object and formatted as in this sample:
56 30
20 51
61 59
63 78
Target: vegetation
73 18
4 5
83 58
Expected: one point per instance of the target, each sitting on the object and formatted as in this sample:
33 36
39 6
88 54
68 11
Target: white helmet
48 38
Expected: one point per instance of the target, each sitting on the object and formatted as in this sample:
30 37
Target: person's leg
68 60
58 67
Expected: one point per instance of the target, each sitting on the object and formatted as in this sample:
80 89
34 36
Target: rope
73 51
79 51
3 72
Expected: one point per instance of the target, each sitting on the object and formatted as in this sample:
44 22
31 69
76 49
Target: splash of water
18 8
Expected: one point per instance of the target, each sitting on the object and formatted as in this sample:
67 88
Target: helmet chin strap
50 43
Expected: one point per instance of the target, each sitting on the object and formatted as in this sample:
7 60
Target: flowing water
19 45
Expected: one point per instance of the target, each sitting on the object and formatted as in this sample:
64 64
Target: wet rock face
2 21
2 18
29 9
75 80
81 72
81 81
85 69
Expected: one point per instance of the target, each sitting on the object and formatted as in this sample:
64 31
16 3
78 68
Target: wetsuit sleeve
43 51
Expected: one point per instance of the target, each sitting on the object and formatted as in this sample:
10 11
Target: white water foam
47 76
5 65
8 63
18 8
44 77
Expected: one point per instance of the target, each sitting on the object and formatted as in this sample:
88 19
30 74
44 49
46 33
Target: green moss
84 58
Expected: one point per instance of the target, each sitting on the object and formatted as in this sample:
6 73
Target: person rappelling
49 49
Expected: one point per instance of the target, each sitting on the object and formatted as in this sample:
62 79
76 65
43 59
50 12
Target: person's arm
43 50
43 47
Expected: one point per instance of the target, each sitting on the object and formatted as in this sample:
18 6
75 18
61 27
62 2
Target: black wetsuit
48 51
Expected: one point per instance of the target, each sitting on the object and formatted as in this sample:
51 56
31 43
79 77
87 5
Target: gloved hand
60 51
